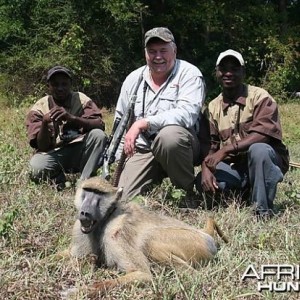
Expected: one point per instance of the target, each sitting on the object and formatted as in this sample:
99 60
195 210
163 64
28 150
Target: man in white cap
162 140
246 138
66 130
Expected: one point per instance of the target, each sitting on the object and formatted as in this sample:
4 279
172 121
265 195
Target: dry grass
35 224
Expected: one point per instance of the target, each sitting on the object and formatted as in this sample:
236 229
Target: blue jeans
260 172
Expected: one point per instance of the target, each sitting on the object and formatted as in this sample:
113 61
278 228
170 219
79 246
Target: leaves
6 222
102 41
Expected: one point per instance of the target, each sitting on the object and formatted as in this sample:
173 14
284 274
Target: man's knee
260 152
96 136
170 137
40 168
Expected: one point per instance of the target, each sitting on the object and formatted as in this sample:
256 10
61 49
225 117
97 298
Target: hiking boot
190 201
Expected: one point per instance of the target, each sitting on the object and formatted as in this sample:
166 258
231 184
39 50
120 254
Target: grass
35 224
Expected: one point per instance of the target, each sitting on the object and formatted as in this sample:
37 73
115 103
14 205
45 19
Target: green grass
35 224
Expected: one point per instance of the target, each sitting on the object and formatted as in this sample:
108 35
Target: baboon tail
212 227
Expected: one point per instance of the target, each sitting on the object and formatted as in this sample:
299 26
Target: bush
281 78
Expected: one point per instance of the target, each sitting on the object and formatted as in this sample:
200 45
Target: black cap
58 69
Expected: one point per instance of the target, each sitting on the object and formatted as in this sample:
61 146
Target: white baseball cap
233 53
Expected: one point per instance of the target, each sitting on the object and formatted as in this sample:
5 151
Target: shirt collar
240 100
68 102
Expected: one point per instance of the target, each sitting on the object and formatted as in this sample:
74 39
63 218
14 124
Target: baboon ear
119 194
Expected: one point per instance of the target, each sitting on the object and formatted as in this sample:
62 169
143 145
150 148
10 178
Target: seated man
66 130
246 138
161 141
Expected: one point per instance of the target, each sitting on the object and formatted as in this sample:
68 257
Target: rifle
116 137
120 125
104 156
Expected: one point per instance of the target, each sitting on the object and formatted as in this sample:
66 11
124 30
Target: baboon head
95 198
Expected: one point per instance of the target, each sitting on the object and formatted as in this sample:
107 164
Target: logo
279 278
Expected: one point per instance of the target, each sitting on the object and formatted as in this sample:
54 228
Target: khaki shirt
254 111
78 105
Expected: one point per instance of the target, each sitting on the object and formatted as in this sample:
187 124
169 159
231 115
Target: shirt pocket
138 108
168 100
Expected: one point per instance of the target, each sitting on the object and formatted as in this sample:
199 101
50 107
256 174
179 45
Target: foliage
168 194
6 223
102 41
294 195
281 77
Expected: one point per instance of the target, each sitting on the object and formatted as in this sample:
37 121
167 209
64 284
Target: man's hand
212 160
47 119
43 138
59 114
132 134
208 180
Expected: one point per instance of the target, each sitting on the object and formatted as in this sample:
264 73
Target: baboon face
90 211
95 199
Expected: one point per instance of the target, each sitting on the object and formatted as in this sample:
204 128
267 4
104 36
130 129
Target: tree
102 41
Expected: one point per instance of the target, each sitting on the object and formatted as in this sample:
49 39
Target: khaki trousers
174 153
80 157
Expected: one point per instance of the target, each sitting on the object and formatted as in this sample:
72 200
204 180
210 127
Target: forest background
102 42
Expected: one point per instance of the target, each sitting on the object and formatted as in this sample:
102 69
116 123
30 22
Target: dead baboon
129 237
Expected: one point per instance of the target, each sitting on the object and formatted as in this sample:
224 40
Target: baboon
129 237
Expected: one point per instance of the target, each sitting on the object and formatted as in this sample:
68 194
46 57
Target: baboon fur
129 237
